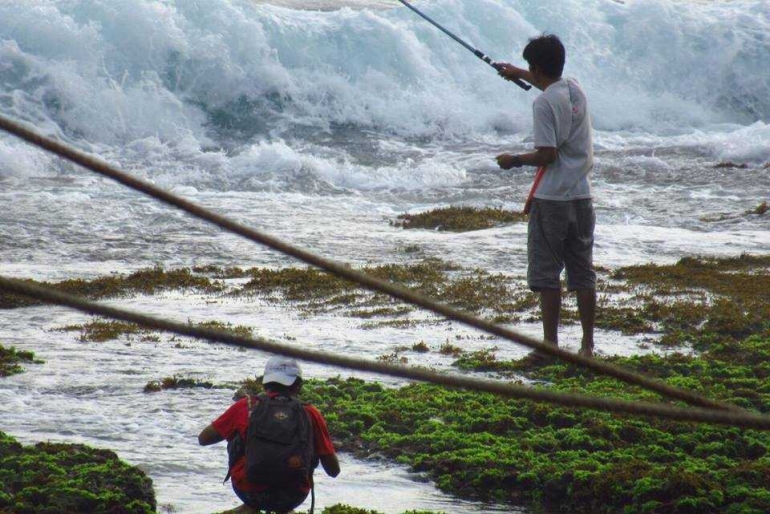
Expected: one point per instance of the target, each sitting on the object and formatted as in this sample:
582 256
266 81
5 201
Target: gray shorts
561 234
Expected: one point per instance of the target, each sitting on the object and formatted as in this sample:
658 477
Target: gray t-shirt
561 121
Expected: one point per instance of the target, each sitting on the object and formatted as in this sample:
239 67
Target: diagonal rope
735 418
341 270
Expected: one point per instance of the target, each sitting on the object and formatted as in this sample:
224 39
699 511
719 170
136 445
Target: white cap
282 370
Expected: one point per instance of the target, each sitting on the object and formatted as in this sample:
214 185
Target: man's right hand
509 71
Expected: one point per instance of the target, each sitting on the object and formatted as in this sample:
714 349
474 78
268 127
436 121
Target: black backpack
279 443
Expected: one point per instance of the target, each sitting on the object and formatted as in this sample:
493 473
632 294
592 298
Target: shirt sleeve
227 424
321 437
544 124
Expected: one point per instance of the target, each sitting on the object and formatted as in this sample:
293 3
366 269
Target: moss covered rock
145 281
177 382
459 219
474 290
50 478
11 360
692 301
578 461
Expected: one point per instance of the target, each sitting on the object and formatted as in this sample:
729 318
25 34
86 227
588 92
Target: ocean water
318 122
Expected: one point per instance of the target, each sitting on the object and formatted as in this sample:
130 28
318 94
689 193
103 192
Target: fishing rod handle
497 66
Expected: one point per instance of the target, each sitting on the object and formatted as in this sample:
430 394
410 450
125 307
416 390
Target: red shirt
236 420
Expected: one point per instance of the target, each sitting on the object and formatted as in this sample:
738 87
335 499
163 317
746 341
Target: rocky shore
479 446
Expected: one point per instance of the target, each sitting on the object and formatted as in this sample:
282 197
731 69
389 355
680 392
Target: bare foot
537 359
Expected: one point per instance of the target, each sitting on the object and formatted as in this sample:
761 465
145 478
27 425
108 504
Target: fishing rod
481 55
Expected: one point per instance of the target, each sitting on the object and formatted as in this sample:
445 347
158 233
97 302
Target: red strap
538 177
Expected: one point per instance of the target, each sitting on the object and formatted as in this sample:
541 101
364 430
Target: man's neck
547 81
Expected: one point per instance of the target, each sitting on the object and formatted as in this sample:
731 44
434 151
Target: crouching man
274 441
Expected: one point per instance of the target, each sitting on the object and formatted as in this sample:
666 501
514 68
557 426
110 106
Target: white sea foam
20 160
278 161
726 142
109 73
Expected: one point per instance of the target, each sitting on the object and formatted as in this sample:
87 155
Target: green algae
448 348
697 272
393 323
731 165
380 312
12 360
483 360
393 358
517 452
682 304
221 273
99 331
480 446
472 290
147 281
177 382
694 299
494 296
727 296
459 219
236 330
295 284
304 284
760 210
50 478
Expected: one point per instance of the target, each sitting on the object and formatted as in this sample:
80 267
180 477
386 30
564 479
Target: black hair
546 53
275 387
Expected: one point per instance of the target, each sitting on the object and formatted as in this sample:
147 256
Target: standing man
561 217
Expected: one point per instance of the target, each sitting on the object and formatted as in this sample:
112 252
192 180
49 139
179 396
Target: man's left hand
507 161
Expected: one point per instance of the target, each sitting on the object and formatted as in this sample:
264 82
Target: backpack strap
238 445
312 494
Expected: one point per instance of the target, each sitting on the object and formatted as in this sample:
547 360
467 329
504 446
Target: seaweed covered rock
696 301
176 382
579 461
144 281
459 219
11 360
50 478
314 291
